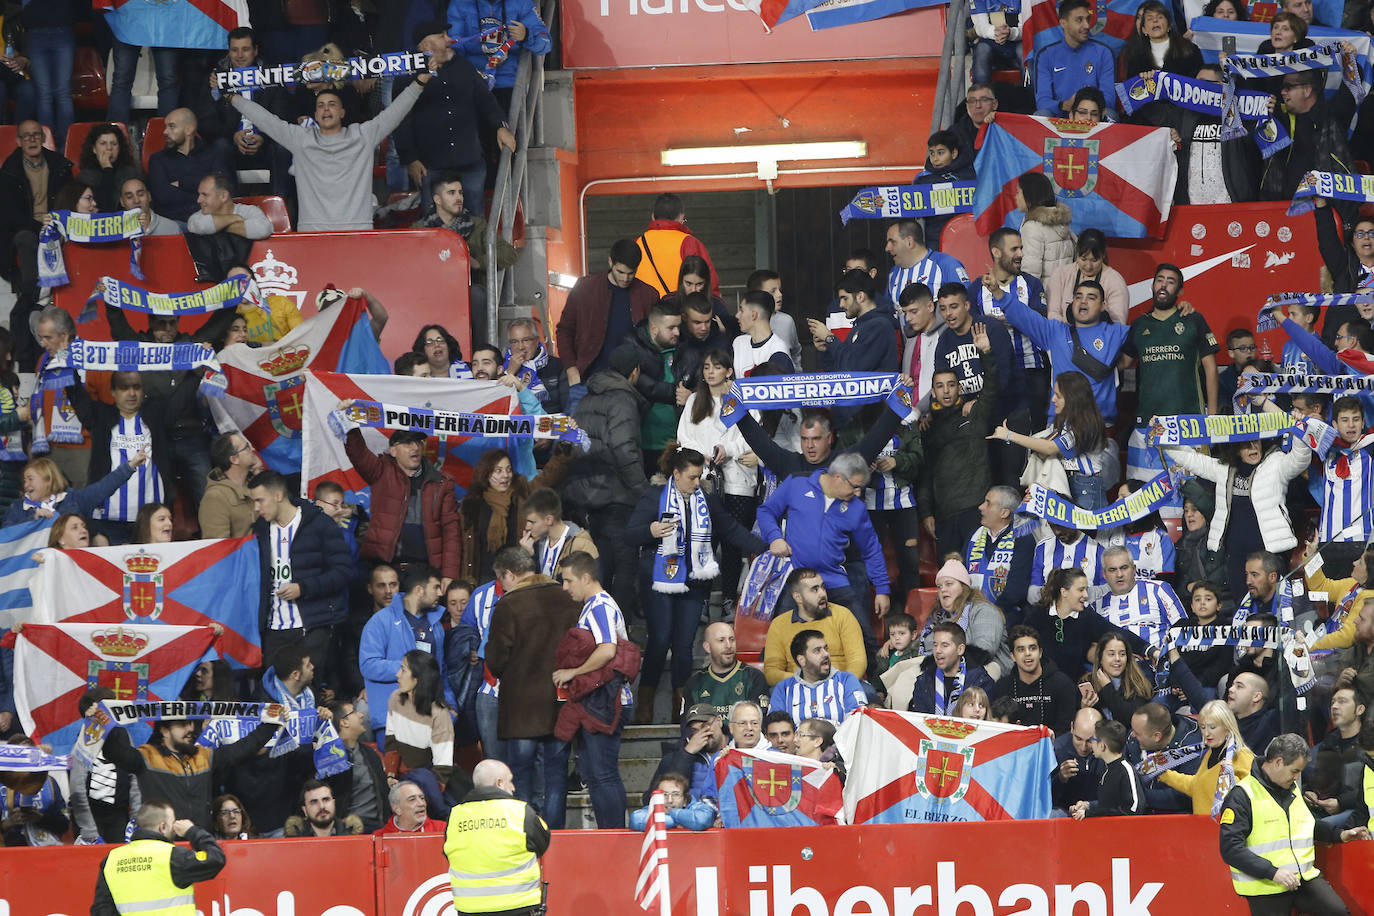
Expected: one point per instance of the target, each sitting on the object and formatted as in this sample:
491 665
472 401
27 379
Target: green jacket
955 474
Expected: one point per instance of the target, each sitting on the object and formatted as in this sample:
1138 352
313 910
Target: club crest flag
55 663
907 768
1115 177
769 789
324 455
174 23
264 387
187 583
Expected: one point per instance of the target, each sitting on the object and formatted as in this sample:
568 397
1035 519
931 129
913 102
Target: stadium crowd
504 613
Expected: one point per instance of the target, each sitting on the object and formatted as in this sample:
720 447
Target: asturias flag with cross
1116 177
907 768
769 789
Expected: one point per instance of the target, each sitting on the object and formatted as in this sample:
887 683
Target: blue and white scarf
63 428
109 713
528 372
1239 636
695 561
1207 98
822 389
1226 779
763 586
137 356
990 565
1197 429
1252 383
1264 321
1318 57
1049 505
17 758
131 298
300 725
911 201
450 424
1333 186
945 704
85 228
391 64
331 756
1156 762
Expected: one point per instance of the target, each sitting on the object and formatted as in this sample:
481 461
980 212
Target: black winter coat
442 130
320 564
612 472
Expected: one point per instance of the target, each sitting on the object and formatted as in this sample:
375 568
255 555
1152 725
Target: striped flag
17 568
653 860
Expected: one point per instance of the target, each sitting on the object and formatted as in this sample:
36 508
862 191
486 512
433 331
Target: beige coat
1047 241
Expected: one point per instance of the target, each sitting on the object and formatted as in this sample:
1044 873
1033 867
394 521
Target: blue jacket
320 565
1103 340
819 537
467 19
386 639
923 691
870 347
82 502
1060 71
696 815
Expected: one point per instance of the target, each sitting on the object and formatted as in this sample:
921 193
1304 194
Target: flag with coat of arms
174 23
908 768
324 455
55 663
262 389
770 789
186 583
1115 177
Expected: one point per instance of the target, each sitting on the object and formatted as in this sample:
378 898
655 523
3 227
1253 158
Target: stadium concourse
1016 505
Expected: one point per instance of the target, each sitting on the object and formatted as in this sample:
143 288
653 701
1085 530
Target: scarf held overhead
1332 186
1206 98
85 229
435 422
1318 57
823 389
1264 321
1051 506
136 356
398 63
1197 429
131 298
910 201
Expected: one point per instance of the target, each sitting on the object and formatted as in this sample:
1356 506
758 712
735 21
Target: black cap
428 27
403 436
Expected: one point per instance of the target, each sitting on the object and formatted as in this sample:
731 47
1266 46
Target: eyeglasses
332 505
1364 233
979 100
227 811
1058 629
808 735
1345 337
1086 112
1243 348
433 340
32 135
747 723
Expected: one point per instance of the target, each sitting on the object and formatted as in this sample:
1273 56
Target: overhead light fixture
561 280
765 153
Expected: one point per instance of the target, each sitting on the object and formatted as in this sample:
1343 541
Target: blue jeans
492 746
988 53
1088 491
190 463
51 53
521 755
439 805
167 63
672 621
575 393
25 99
598 759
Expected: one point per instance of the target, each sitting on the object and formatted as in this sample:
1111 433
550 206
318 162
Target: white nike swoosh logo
1058 69
1139 292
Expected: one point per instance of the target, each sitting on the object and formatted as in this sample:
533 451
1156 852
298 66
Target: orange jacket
664 245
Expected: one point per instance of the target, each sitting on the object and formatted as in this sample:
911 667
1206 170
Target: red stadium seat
88 80
961 241
9 139
919 603
274 207
76 135
152 139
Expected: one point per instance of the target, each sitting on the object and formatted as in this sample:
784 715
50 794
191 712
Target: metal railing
949 88
511 173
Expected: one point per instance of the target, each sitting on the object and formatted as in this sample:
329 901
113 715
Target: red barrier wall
1160 866
419 275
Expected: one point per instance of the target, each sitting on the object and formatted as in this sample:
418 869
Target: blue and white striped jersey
130 436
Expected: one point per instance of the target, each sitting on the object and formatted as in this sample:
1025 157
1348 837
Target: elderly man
1267 837
56 427
133 195
493 844
999 560
409 812
174 173
219 213
525 347
746 726
1145 607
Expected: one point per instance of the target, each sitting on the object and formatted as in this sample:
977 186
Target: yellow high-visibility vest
490 867
1284 839
139 876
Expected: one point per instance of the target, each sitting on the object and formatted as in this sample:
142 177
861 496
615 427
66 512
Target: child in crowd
945 161
901 630
1121 791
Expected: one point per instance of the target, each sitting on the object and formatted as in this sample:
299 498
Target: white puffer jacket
739 480
1267 486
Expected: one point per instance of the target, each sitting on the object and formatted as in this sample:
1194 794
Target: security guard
1268 836
150 875
493 845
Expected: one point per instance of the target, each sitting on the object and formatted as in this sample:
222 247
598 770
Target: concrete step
646 740
579 810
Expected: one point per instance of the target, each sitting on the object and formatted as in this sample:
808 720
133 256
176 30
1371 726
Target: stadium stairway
641 748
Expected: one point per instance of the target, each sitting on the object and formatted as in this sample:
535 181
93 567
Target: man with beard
827 693
724 679
988 296
317 817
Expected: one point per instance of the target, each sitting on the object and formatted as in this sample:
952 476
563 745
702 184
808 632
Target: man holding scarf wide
1318 126
1268 834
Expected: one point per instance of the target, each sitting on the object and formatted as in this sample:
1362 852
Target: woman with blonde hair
45 489
1225 760
958 602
